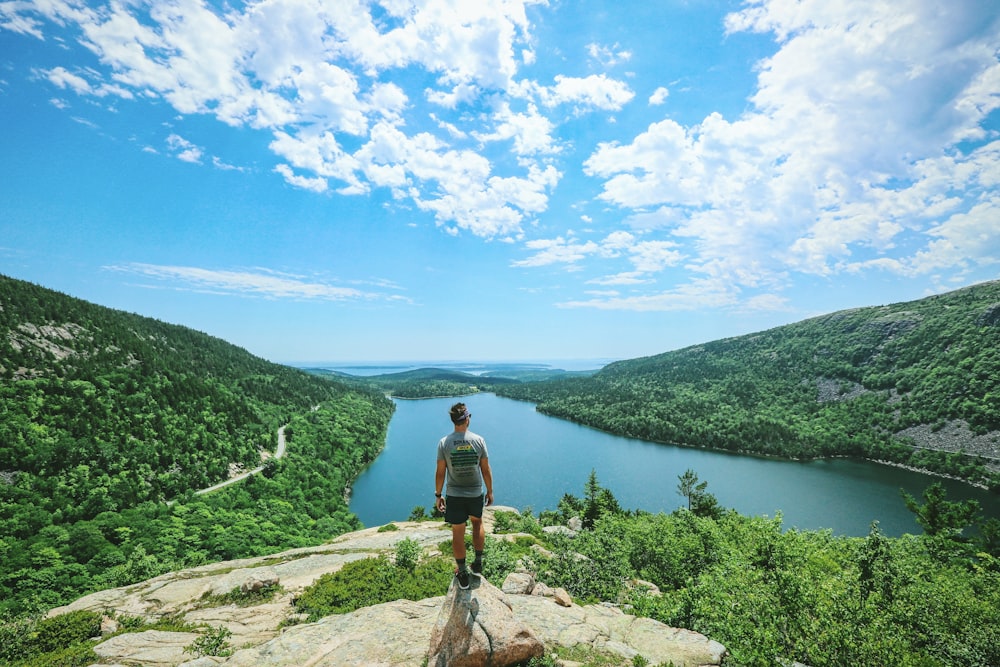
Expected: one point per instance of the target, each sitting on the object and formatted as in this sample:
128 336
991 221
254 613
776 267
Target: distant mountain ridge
915 383
432 382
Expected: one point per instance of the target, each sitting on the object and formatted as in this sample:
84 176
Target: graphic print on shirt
464 457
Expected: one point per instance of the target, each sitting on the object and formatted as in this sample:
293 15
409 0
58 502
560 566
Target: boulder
559 530
540 589
562 598
477 628
109 626
610 629
257 583
152 648
518 583
392 634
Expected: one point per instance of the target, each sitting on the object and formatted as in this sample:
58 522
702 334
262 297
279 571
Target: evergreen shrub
371 581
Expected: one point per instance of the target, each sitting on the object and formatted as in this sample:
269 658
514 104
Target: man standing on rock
462 458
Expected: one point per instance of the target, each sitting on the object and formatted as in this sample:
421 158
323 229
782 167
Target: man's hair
459 413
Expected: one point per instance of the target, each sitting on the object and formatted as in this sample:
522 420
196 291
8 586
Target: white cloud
66 80
624 278
962 240
764 303
219 163
63 79
697 295
319 153
557 251
646 256
457 186
654 256
594 91
659 96
259 282
862 147
849 152
609 56
183 149
320 76
530 131
316 184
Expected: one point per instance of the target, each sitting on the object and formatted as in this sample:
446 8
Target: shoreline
902 466
923 471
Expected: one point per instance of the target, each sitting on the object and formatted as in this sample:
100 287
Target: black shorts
458 509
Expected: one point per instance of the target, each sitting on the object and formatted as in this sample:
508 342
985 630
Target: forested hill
105 415
914 383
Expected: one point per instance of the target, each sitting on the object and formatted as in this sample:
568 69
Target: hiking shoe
463 578
477 566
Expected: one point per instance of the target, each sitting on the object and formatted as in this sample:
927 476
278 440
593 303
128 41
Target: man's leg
458 541
458 548
478 543
478 533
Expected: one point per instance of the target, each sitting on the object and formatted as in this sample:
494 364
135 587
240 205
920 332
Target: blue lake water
536 459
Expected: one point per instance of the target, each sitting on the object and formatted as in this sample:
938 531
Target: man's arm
442 467
484 466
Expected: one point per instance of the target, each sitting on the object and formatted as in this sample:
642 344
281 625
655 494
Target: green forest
846 384
773 595
109 422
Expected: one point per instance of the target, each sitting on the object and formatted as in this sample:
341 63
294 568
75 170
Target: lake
536 459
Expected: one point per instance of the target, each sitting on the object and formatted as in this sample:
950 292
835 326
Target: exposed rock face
394 634
609 629
152 648
476 628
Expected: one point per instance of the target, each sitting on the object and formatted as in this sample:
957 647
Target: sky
502 180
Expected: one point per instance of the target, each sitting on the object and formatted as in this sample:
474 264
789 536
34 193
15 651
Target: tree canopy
106 416
881 382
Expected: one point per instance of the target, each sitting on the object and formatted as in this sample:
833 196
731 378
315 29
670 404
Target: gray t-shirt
462 453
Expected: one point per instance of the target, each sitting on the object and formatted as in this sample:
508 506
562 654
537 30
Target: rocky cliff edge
396 634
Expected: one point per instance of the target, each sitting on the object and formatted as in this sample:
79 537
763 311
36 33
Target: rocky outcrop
394 634
476 627
152 648
609 629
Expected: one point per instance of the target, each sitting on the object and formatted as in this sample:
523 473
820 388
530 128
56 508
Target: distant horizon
555 364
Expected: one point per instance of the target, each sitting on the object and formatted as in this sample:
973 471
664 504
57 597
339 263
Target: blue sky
516 180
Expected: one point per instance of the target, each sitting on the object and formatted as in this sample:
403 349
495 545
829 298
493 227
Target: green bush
372 581
77 655
242 598
513 522
593 566
15 639
215 641
168 623
60 640
499 560
503 521
408 554
59 632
